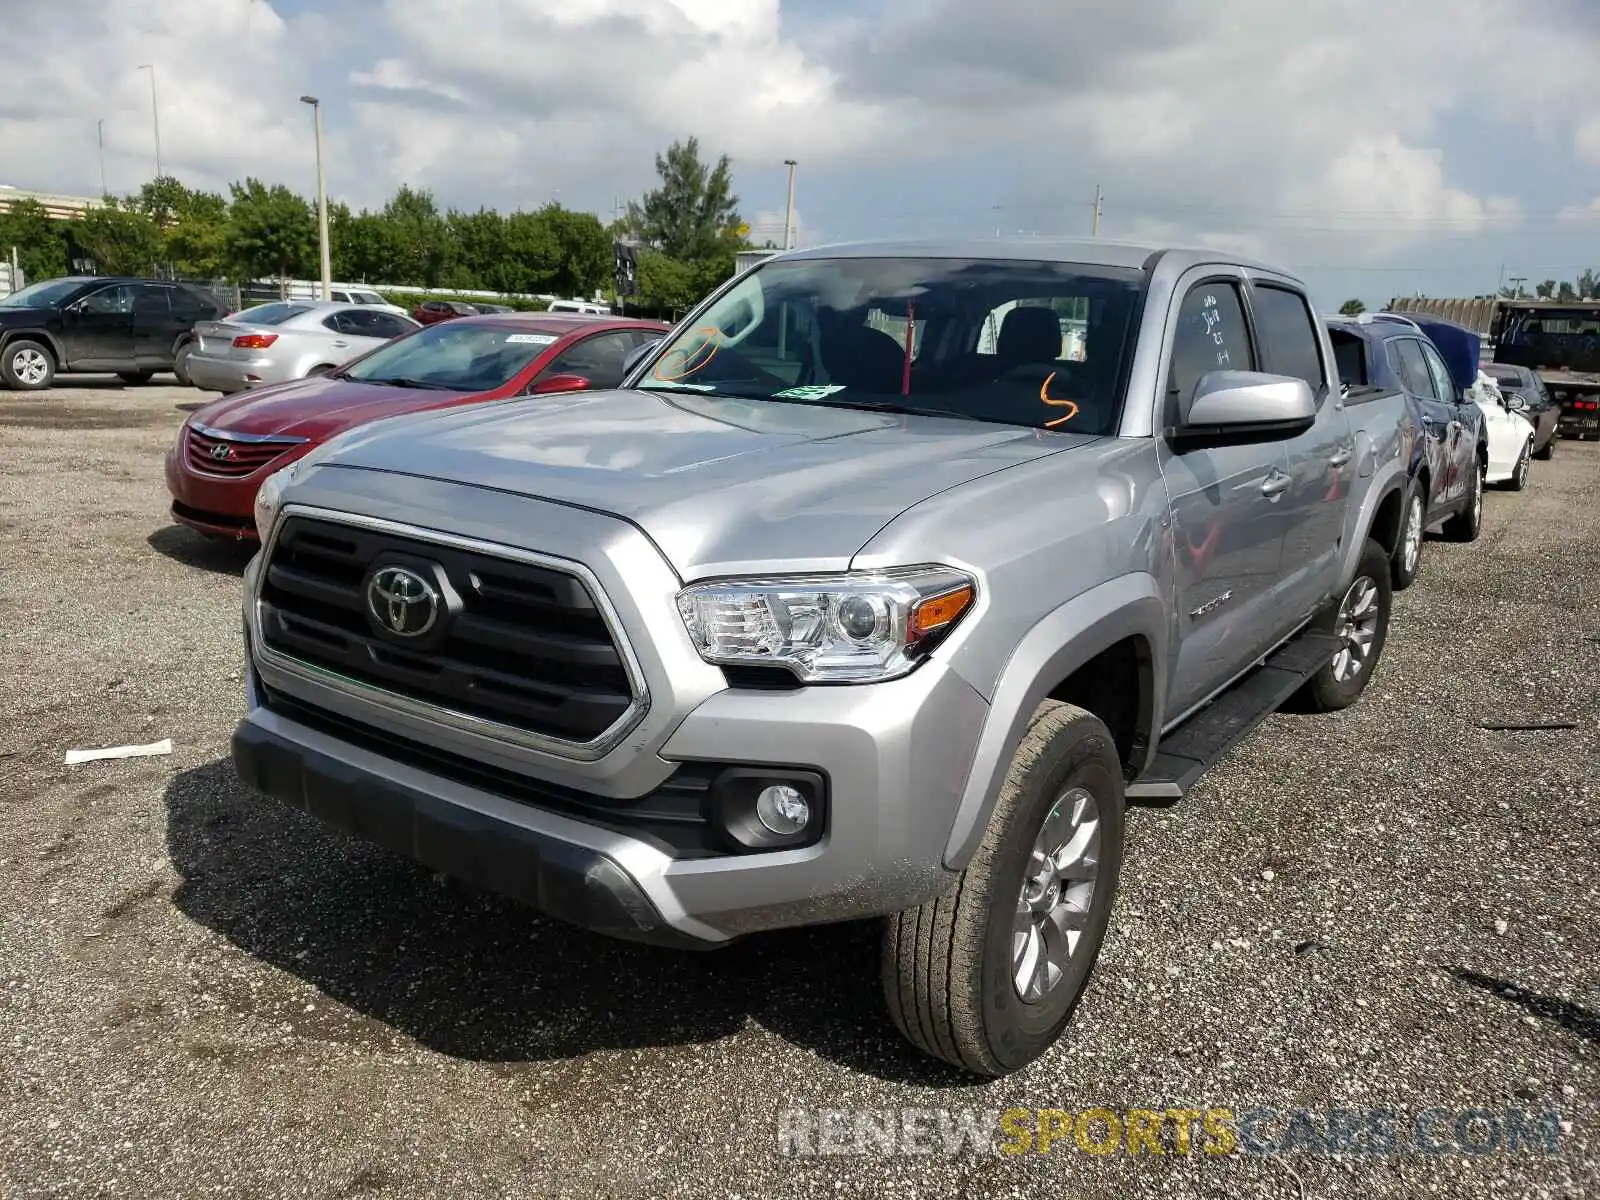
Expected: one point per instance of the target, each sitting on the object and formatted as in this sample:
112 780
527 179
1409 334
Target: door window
152 300
1443 385
1288 336
1406 357
1211 336
598 359
115 299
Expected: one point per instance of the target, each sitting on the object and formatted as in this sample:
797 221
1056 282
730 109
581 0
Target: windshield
47 294
1015 342
1551 337
466 358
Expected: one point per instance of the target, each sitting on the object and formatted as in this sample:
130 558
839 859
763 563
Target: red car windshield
453 357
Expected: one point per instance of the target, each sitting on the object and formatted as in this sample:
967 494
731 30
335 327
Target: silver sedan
284 340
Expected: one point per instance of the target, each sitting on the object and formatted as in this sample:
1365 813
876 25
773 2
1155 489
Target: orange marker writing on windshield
1044 395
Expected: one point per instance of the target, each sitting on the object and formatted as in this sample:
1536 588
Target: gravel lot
202 993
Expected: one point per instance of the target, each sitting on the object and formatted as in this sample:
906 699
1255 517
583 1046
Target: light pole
155 112
322 202
788 219
100 134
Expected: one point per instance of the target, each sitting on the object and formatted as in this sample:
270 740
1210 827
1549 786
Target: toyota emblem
403 602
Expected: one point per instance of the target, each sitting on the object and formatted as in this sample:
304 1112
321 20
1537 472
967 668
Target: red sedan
226 448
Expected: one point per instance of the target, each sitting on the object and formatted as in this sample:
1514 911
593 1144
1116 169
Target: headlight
269 498
858 627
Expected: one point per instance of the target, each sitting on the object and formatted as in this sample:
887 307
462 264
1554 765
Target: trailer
1559 340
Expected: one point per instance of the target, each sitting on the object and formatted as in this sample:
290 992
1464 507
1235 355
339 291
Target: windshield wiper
885 407
406 381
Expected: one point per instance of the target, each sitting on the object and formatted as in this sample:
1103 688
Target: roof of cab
1101 252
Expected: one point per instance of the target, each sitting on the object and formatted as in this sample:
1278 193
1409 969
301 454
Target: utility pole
1516 285
155 112
788 218
322 202
1097 199
100 134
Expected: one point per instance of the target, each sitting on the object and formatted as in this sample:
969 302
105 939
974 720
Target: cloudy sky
1376 146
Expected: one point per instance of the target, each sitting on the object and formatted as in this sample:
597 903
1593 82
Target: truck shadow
474 976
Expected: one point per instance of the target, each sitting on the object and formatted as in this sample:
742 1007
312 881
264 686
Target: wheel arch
7 336
1090 651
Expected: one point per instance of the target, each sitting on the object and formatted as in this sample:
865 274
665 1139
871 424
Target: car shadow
475 976
111 383
195 549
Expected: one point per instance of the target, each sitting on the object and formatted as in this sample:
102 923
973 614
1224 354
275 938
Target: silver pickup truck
887 581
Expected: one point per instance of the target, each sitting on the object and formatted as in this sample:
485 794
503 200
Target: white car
365 297
1510 435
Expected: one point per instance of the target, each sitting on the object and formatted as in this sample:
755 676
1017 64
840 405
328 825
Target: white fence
311 289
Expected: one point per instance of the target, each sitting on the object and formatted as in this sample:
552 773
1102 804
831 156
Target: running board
1194 747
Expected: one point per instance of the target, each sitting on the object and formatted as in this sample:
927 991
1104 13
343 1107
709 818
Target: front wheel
987 975
1548 450
27 366
1360 621
1408 547
1519 473
180 364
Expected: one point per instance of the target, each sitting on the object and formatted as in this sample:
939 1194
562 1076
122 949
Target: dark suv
128 327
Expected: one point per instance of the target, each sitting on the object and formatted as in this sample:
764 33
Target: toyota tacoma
878 590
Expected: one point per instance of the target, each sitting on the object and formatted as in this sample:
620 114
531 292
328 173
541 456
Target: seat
864 359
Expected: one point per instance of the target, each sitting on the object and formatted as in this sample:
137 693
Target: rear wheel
1408 547
1519 473
1361 623
27 366
987 975
1468 523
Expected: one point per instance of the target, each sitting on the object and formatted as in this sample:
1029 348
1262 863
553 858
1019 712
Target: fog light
782 809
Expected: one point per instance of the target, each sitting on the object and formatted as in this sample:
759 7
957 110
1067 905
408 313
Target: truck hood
721 485
317 408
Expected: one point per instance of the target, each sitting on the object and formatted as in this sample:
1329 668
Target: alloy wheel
29 366
1057 894
1356 627
1413 535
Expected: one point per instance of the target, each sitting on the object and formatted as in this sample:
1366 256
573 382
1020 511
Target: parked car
1507 435
1539 407
593 307
492 308
1560 341
131 328
226 448
1380 355
430 312
289 339
366 298
805 624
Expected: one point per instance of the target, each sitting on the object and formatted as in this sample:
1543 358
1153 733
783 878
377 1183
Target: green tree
1352 308
580 250
121 239
693 215
40 242
1565 292
271 231
479 254
1589 285
666 285
419 239
1545 290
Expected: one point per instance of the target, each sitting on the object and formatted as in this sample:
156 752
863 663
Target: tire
1547 451
1467 524
1519 473
1408 546
180 364
27 365
1361 620
136 378
948 968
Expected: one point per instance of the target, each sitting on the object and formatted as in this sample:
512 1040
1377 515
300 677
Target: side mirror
1516 402
1247 406
559 383
637 355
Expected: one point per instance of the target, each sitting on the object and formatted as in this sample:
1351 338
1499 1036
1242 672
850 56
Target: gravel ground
202 993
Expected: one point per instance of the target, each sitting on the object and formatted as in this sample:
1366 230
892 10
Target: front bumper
896 757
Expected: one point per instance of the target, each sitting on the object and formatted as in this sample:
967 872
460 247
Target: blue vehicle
1379 354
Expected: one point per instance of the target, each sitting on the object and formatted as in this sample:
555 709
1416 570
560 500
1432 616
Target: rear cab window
1288 333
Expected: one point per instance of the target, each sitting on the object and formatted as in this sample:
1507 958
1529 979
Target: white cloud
1582 214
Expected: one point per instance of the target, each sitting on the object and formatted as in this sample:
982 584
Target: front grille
519 644
237 458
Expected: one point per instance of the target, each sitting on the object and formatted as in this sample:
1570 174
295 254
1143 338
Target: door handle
1340 457
1275 485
